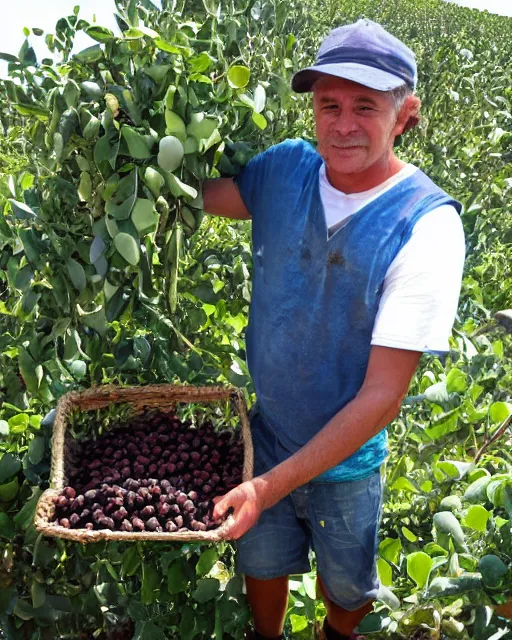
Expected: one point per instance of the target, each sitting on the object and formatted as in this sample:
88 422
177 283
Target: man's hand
247 501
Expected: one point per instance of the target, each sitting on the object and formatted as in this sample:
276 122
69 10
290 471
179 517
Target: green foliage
111 273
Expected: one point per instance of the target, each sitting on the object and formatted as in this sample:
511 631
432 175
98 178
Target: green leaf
403 484
92 90
448 423
454 468
59 603
477 517
476 491
31 110
91 54
91 130
127 247
35 421
23 610
150 583
137 611
500 411
77 274
409 535
177 580
96 320
260 120
100 34
106 148
24 518
456 381
6 526
133 34
434 550
9 490
139 146
418 567
9 466
18 423
299 623
238 76
207 589
38 593
21 210
26 180
27 54
390 548
179 188
144 216
131 561
8 57
385 572
85 187
206 561
36 449
146 630
171 48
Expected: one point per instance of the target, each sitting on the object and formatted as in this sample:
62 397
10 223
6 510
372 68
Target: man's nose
346 124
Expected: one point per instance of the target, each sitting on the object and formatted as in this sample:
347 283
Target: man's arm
378 402
222 198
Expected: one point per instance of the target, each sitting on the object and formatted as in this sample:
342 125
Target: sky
44 15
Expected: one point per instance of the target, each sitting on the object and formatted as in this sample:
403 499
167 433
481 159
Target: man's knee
334 607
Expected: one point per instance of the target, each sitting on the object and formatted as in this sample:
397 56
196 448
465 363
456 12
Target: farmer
358 261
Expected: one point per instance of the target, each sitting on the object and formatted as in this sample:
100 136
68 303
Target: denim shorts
338 521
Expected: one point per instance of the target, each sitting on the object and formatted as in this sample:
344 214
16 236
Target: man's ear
408 116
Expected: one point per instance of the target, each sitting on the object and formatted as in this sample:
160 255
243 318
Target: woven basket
164 397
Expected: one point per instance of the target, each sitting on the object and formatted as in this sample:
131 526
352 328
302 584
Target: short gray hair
400 95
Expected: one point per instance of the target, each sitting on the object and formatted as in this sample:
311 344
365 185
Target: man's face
356 126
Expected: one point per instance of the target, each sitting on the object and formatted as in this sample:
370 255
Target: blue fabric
315 297
338 521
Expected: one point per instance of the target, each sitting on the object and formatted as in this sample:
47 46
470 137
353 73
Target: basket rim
138 396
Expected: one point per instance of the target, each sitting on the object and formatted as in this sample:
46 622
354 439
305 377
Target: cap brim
303 80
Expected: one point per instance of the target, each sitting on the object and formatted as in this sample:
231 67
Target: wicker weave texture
162 396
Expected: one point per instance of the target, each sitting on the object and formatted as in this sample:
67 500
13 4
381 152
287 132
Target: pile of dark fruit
160 474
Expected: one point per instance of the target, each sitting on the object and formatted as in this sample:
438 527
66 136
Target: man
347 294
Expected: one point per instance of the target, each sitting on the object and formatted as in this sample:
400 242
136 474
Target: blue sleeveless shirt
315 297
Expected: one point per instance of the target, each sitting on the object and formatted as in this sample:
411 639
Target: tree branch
495 437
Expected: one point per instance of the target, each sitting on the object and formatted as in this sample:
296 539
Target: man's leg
268 600
344 518
339 619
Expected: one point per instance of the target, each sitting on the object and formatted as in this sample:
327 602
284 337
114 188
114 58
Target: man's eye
330 107
365 108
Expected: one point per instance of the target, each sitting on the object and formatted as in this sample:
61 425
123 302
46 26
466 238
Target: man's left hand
247 502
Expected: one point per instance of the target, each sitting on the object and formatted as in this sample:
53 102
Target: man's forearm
360 420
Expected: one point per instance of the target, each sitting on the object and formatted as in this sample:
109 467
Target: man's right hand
222 198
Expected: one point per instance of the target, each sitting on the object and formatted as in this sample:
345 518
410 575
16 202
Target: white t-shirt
422 285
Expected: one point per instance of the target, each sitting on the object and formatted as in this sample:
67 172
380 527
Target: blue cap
365 53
